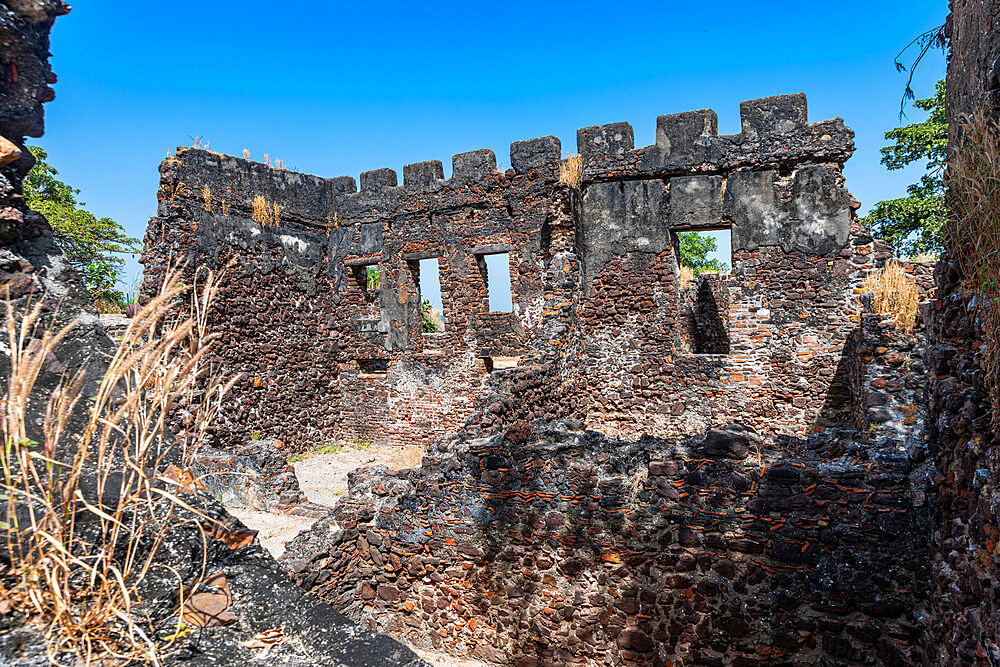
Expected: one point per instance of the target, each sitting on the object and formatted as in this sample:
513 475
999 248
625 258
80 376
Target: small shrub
246 154
255 436
431 319
894 293
571 171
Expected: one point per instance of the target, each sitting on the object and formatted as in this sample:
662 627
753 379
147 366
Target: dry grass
894 293
434 318
206 195
176 189
77 563
264 213
106 306
405 457
246 154
973 180
685 275
571 171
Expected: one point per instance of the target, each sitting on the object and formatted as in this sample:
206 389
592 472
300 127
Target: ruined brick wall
323 354
597 323
963 440
555 546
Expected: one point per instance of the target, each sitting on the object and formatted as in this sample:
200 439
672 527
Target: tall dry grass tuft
685 275
264 213
246 154
87 506
571 171
973 181
206 196
894 293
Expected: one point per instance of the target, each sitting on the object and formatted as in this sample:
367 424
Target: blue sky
336 89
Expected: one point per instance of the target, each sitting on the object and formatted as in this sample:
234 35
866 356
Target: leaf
208 608
266 639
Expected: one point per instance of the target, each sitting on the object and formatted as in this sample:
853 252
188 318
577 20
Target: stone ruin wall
524 537
599 323
966 497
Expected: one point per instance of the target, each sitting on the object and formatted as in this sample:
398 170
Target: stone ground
323 478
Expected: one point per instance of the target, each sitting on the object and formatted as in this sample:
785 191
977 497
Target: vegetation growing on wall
894 293
974 201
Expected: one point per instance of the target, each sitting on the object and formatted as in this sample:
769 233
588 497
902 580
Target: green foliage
371 277
91 244
694 248
427 321
914 224
100 276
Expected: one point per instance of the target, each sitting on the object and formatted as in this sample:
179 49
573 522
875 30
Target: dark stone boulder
733 441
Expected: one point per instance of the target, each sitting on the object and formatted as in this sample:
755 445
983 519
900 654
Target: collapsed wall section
555 545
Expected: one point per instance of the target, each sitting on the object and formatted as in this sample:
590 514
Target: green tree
694 248
914 224
91 244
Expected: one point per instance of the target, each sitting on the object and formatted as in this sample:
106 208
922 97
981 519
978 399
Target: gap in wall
430 292
498 282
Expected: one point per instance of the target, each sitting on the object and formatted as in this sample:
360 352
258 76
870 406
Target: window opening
704 258
431 305
498 287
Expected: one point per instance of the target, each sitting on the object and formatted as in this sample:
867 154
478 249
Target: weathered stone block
533 153
420 174
771 117
378 179
611 140
473 165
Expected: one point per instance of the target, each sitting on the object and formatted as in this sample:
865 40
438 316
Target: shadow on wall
712 315
556 545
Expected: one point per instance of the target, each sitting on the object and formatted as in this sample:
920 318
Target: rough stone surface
965 497
561 546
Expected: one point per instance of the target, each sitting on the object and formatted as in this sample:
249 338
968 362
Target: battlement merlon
775 133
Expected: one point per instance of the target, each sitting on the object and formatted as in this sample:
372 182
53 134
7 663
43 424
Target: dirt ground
323 478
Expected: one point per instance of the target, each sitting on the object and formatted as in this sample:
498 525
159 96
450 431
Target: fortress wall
595 331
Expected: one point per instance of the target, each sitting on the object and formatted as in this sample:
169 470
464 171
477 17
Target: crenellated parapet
776 135
775 132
